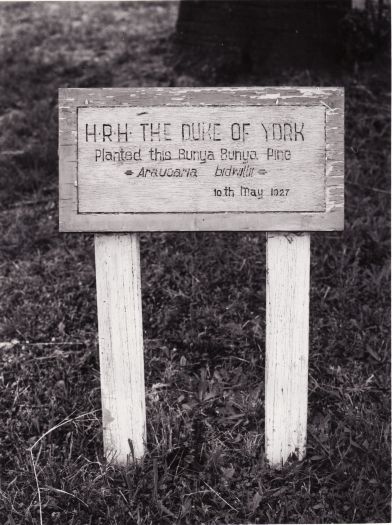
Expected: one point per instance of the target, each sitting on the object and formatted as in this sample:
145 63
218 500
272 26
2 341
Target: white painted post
117 260
287 346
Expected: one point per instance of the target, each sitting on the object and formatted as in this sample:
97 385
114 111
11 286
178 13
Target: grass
203 303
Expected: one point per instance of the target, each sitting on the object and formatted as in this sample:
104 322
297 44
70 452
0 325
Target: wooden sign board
156 159
175 159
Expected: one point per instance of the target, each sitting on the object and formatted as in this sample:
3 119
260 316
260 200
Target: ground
203 304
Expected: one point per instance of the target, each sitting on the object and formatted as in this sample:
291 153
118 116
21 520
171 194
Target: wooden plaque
178 159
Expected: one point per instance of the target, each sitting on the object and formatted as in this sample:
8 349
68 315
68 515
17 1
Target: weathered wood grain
119 305
236 168
85 204
287 342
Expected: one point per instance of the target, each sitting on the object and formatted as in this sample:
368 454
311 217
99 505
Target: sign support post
287 346
117 261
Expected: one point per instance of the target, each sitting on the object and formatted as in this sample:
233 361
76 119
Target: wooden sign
201 159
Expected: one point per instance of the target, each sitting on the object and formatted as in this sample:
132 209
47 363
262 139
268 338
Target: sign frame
332 218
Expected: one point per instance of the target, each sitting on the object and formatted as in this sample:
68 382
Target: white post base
287 346
117 260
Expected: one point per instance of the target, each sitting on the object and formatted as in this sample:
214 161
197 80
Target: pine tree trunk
270 34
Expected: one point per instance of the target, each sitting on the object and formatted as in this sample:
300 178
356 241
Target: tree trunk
270 34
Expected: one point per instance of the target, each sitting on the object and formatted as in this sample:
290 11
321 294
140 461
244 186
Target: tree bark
268 33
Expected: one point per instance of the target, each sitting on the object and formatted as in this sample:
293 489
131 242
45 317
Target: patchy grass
203 301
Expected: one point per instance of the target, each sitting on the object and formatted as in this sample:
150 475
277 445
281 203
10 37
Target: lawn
203 308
